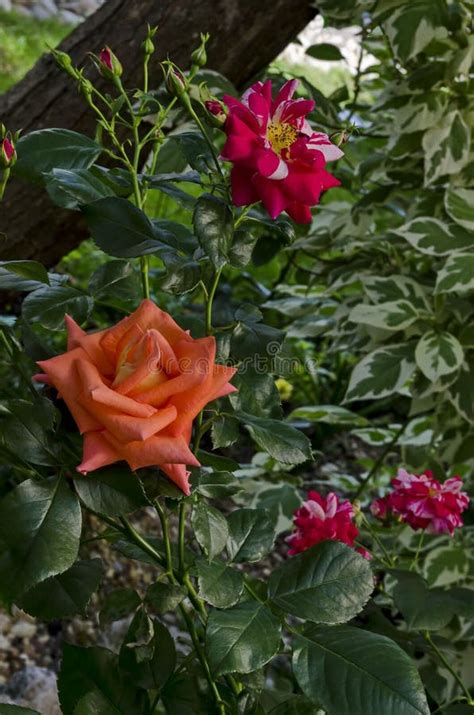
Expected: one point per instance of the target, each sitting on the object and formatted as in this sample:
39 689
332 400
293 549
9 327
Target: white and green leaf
446 147
382 372
438 354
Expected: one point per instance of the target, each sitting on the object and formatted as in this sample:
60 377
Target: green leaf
325 51
328 414
34 543
459 204
257 395
118 604
149 665
210 528
355 672
42 151
329 583
216 485
219 585
241 639
381 372
181 696
95 670
214 227
280 502
419 112
113 491
461 392
72 189
48 306
251 337
30 425
384 289
438 354
282 441
251 534
94 703
433 237
446 147
410 28
164 597
243 244
224 431
423 608
16 710
194 149
457 274
22 275
121 229
64 595
396 315
116 283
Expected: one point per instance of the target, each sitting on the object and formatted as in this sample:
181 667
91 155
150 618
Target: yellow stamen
281 136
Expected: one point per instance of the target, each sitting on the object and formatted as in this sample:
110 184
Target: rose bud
175 81
7 152
216 113
110 66
199 56
64 62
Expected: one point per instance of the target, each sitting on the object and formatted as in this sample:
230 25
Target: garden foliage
359 321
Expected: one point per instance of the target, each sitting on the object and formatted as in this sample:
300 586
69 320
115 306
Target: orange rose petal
129 429
62 373
105 396
191 403
41 377
97 453
74 333
147 354
156 450
97 390
179 475
147 316
90 342
158 395
169 361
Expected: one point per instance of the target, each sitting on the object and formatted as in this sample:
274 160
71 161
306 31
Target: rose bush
192 311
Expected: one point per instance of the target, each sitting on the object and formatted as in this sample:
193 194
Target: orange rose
135 389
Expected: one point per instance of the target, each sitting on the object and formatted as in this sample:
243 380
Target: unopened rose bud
7 152
64 62
175 81
86 87
216 112
148 47
199 56
109 65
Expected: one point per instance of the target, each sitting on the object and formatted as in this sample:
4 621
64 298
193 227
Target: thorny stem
3 182
130 530
379 462
209 302
448 667
378 541
414 563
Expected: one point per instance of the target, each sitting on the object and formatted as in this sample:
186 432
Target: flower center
281 136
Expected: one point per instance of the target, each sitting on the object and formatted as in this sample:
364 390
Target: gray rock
44 9
35 688
69 18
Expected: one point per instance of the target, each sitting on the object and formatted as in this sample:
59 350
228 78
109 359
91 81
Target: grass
22 41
